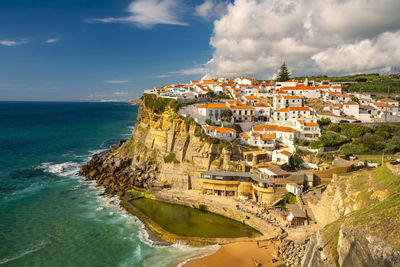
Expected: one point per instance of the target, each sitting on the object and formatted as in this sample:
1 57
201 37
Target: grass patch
171 157
203 207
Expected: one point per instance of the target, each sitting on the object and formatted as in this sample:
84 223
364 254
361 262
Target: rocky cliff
165 150
360 215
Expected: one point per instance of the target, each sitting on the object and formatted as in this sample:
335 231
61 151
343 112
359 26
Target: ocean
49 215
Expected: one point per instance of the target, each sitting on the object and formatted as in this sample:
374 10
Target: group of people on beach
262 214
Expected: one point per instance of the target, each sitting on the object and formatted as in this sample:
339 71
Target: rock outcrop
165 150
360 215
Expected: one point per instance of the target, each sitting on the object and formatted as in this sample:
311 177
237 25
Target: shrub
303 142
171 157
334 128
203 207
324 121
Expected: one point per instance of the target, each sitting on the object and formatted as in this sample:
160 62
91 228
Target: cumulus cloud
256 36
211 9
116 81
52 40
13 43
364 55
147 13
184 72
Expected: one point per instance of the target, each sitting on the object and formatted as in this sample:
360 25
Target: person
258 244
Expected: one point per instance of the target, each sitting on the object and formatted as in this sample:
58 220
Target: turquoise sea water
50 216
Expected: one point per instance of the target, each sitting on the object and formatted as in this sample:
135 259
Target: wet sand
239 254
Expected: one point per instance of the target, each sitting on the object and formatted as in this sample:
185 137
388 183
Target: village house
286 135
302 90
293 113
389 101
251 100
243 113
285 101
351 109
281 157
385 107
212 111
308 130
266 142
262 112
227 134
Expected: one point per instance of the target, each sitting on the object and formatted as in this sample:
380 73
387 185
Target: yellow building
227 183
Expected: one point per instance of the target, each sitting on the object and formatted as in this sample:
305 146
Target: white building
293 113
227 134
212 111
285 101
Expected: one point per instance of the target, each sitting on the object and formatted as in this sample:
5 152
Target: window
219 178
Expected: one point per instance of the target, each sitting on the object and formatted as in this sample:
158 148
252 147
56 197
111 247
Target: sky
88 50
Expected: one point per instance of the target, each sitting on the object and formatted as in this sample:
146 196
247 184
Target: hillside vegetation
374 198
374 82
358 139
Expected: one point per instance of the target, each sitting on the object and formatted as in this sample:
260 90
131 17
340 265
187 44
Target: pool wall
173 238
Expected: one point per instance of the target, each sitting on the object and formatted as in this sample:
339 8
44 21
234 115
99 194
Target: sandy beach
239 254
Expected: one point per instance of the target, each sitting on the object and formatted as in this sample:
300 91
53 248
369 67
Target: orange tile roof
252 97
286 129
311 124
367 107
245 135
289 96
213 105
378 104
286 153
241 107
265 127
262 105
280 91
387 100
300 121
298 87
351 103
224 130
299 108
282 110
234 102
343 96
268 136
219 129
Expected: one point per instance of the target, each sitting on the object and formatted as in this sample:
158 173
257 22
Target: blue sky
62 53
114 49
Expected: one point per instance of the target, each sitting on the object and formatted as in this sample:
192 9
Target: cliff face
361 218
165 150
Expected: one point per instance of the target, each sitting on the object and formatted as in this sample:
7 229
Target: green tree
355 99
324 121
283 74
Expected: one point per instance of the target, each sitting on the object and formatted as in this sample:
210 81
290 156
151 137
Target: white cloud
52 40
13 43
147 13
256 36
365 55
211 9
184 72
120 93
116 81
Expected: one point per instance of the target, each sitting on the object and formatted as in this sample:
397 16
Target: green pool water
186 221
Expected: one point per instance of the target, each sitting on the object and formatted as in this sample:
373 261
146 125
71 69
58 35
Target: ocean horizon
51 216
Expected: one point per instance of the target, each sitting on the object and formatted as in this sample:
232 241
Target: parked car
343 121
357 121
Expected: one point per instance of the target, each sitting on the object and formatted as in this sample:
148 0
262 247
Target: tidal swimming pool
186 221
